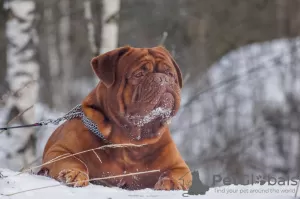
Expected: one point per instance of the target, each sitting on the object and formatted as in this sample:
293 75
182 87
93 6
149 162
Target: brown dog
138 93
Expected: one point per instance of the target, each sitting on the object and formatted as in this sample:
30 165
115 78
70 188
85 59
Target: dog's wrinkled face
145 83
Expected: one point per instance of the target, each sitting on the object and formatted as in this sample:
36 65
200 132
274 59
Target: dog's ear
105 65
178 71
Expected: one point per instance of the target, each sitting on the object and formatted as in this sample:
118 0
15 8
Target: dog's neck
94 109
98 107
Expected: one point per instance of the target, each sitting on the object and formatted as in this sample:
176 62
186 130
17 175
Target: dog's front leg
178 178
70 170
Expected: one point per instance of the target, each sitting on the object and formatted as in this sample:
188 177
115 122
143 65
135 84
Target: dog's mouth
162 111
160 114
147 124
150 126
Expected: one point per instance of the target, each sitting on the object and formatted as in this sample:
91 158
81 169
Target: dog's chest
125 171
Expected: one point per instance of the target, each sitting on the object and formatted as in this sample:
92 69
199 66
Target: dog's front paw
74 177
168 183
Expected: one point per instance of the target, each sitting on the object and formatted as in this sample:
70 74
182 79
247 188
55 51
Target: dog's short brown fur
134 82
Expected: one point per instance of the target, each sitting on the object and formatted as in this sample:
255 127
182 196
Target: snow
16 183
158 112
22 8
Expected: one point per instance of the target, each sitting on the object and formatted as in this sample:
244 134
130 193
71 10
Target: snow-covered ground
18 183
12 141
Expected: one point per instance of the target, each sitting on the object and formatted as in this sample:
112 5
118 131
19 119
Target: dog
138 94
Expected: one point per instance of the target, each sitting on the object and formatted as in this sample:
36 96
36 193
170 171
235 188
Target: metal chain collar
76 112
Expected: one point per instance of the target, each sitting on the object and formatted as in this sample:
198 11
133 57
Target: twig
72 183
6 95
1 175
20 114
81 152
297 189
31 163
97 156
11 194
16 117
86 167
63 155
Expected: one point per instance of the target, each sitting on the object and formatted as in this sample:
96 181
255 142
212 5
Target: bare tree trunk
3 18
92 35
23 80
110 28
62 91
23 68
45 91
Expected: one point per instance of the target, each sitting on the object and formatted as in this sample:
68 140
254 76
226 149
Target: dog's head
142 88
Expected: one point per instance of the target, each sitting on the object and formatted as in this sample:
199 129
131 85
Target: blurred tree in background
199 33
3 17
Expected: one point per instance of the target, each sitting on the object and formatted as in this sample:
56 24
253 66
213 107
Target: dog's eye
144 67
139 74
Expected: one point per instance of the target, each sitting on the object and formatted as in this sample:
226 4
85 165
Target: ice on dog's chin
168 122
140 121
138 137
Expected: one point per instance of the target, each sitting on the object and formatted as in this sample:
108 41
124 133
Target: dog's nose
161 78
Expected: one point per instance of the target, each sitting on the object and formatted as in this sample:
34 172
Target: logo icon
261 180
197 187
